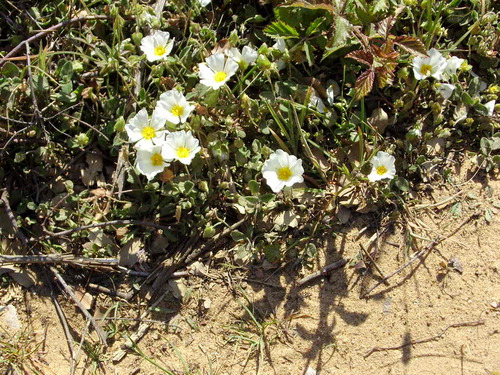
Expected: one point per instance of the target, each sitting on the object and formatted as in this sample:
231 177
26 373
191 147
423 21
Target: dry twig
433 338
144 326
322 272
48 31
5 200
418 255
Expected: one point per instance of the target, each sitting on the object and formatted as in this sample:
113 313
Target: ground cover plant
139 137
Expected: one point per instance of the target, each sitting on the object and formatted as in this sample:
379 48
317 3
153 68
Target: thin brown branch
367 253
51 29
433 338
4 198
98 225
57 259
419 255
322 272
90 318
144 326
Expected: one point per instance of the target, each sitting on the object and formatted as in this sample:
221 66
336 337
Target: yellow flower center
156 160
381 170
425 69
220 76
148 132
182 152
177 110
159 51
284 173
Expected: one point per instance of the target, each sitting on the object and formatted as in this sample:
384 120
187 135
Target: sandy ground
434 317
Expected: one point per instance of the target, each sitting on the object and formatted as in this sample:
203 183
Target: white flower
145 131
316 102
282 169
246 57
217 70
173 106
382 167
452 64
181 146
490 106
204 3
445 89
150 161
157 46
432 66
330 94
280 45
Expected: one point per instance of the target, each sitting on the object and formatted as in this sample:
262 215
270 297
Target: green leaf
308 51
10 70
238 236
340 36
280 30
315 26
402 184
254 187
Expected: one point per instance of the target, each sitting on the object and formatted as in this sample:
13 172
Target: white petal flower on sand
445 89
432 66
282 169
180 146
383 167
149 161
173 106
452 64
157 46
217 70
246 57
145 131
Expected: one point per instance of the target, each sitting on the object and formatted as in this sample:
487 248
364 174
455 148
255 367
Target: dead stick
47 31
126 296
435 242
322 272
433 338
67 332
56 259
374 263
103 224
67 288
143 327
69 291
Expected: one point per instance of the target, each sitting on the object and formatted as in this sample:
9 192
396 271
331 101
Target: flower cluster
157 147
438 67
220 67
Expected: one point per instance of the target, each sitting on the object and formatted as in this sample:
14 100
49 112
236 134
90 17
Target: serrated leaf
411 45
314 26
364 57
385 75
280 30
340 36
364 84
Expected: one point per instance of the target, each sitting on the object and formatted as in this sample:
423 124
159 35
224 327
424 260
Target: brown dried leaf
364 57
364 84
411 45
